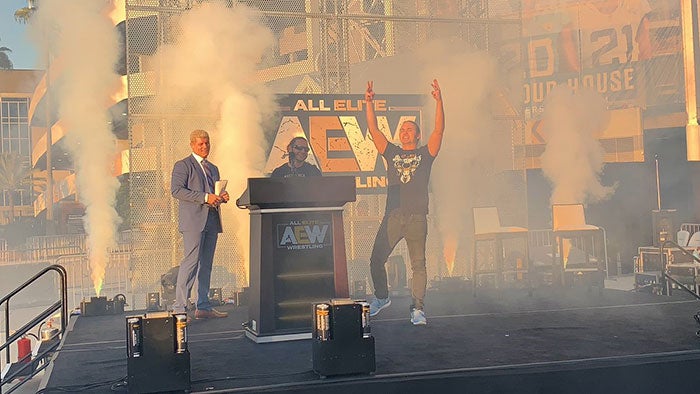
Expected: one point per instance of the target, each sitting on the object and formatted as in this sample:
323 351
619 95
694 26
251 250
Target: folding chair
683 236
569 225
487 227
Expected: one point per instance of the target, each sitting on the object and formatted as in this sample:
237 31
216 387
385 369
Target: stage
571 340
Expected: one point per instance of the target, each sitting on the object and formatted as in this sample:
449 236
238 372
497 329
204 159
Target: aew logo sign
303 234
336 128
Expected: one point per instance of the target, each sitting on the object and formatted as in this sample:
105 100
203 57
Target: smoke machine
100 306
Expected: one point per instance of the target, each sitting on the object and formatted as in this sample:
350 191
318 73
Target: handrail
682 249
32 365
681 285
62 304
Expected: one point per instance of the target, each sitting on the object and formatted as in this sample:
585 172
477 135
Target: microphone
292 158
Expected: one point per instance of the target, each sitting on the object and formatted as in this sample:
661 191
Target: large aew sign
336 128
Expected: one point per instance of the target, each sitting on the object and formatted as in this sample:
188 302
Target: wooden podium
297 252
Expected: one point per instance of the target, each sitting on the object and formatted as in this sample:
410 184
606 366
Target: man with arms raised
405 216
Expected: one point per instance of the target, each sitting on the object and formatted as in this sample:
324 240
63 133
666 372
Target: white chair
568 224
683 238
694 241
487 227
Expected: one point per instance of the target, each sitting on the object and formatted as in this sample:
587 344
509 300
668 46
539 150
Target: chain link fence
333 47
320 47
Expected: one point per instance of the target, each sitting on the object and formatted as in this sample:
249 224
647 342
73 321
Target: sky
14 36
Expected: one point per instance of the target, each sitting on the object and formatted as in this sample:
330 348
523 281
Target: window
15 137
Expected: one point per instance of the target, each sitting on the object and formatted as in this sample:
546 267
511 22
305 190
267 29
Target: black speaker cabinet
153 362
664 225
346 347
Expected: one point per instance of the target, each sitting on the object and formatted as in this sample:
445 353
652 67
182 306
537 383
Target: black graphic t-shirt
408 172
285 171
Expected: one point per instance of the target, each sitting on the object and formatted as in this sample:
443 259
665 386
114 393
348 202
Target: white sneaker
418 317
378 304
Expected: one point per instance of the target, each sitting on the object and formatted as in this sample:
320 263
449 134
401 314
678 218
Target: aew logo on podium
304 234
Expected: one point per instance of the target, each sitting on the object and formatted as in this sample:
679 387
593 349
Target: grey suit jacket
187 185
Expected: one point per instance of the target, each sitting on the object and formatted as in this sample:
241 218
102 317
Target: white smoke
211 70
573 159
85 46
464 170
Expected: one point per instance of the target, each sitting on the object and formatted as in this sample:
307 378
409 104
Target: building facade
16 87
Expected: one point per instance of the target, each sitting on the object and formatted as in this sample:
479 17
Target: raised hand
369 94
436 90
435 141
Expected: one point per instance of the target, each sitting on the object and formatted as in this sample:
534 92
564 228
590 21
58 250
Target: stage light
242 297
450 284
49 332
215 296
359 289
168 283
153 302
49 340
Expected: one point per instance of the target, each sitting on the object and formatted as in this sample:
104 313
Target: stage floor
557 340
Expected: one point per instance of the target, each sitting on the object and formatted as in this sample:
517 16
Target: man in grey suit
192 183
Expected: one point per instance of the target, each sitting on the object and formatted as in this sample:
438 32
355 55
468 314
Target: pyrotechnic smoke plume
85 44
466 164
210 70
573 158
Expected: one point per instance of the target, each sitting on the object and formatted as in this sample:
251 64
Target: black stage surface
556 341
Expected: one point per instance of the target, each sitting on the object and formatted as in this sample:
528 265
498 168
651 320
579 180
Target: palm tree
23 15
14 176
5 62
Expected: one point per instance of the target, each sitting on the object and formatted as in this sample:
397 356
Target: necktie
207 173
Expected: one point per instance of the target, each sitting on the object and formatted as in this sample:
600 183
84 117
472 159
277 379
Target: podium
297 252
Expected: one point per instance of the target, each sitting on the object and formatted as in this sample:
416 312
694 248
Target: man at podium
297 152
405 215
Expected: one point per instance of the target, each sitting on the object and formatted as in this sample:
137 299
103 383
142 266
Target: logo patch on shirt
406 166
